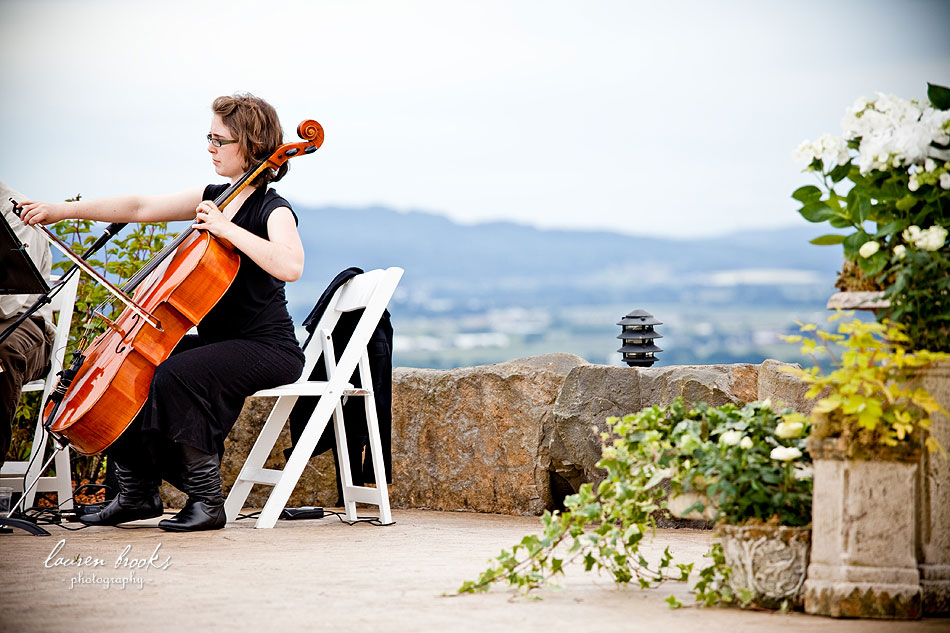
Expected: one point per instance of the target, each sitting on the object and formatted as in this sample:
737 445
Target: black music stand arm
23 316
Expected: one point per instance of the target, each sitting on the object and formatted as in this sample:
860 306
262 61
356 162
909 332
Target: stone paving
308 575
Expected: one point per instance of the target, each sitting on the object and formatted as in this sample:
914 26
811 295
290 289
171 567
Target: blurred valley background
490 292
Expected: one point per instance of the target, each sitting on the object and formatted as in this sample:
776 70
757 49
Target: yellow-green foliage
872 397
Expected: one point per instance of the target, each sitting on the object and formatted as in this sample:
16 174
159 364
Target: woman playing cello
244 344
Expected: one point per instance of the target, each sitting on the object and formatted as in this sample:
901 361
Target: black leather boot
201 480
138 497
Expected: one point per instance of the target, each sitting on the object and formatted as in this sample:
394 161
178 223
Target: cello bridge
111 324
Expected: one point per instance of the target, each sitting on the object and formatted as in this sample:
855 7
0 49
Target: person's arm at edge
134 208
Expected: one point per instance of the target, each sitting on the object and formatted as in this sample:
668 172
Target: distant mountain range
504 261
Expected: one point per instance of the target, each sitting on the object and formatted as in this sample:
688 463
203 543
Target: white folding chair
371 292
12 473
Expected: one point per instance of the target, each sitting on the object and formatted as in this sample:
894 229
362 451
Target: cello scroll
310 130
312 134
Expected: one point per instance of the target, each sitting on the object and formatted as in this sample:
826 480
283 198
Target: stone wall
511 438
468 438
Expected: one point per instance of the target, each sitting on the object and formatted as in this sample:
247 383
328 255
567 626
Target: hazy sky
663 118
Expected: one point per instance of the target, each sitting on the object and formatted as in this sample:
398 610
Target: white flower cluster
894 132
787 429
831 150
931 174
891 132
731 438
931 239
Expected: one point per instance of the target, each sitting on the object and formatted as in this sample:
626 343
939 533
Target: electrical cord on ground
339 515
48 516
250 515
55 515
369 520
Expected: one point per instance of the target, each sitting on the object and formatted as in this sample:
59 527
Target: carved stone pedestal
863 556
768 560
933 522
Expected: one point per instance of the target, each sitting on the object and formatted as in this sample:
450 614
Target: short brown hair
255 126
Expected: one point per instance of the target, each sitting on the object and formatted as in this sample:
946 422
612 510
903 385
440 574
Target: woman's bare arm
135 208
281 254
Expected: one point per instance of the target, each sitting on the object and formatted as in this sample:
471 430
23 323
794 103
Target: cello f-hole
135 319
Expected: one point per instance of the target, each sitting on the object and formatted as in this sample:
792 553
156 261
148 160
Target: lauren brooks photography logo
128 568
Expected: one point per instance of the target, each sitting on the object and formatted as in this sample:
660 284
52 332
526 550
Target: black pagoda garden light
638 349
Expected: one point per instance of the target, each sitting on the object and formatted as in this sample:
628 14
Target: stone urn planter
769 560
863 555
933 507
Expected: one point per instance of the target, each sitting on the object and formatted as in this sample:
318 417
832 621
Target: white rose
911 233
932 239
900 251
785 453
930 165
730 438
788 430
912 184
868 248
746 443
945 180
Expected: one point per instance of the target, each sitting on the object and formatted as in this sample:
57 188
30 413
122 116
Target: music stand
18 273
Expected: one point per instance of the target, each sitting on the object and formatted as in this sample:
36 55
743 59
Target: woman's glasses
218 142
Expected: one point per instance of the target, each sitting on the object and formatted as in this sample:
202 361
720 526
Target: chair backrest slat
370 291
358 291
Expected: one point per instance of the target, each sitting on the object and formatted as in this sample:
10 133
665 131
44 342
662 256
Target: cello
108 384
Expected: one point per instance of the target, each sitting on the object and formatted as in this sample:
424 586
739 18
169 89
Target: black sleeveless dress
244 344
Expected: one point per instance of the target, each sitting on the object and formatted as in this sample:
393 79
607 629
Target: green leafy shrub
750 462
692 447
920 296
